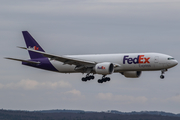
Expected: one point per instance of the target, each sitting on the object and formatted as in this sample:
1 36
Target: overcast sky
89 27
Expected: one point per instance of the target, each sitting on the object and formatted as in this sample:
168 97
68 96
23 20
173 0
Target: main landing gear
91 77
162 72
104 79
88 77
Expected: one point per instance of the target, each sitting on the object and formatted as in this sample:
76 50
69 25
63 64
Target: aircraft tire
100 81
88 78
84 79
162 76
108 79
91 77
104 79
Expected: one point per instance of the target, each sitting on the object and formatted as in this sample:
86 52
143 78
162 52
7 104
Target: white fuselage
130 65
125 62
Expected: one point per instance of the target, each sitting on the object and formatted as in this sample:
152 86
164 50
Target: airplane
130 65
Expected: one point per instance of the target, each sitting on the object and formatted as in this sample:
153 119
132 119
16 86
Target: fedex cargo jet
128 64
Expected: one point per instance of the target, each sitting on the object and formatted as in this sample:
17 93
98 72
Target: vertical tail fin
31 43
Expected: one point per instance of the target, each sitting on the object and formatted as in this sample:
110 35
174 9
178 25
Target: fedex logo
101 67
35 48
140 59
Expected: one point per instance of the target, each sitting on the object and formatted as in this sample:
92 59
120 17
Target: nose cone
175 62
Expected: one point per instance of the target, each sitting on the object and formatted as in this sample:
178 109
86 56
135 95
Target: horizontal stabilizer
22 47
33 62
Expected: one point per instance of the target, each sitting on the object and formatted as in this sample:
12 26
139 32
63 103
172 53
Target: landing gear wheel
162 76
108 79
88 77
84 79
91 77
100 81
104 79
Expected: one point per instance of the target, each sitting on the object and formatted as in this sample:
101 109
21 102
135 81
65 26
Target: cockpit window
170 58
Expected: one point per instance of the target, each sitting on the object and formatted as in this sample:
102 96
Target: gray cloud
32 84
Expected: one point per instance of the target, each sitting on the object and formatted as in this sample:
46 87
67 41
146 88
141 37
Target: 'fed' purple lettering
125 58
135 60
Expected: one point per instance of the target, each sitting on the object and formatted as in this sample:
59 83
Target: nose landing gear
162 72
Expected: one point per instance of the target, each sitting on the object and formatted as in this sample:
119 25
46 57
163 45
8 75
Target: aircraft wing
65 59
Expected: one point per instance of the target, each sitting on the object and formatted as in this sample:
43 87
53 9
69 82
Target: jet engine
132 74
104 68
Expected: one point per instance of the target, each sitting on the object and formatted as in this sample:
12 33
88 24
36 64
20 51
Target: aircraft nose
175 62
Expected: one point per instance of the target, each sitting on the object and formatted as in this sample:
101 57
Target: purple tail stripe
44 61
30 42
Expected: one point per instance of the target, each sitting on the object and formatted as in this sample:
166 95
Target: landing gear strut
104 79
88 77
162 72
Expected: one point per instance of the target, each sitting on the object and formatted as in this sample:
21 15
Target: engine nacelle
132 74
104 68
